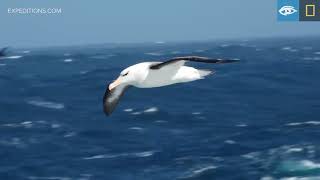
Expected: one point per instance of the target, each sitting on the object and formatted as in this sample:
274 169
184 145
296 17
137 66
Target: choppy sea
256 119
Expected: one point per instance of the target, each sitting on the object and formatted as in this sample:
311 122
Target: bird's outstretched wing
111 98
192 58
3 51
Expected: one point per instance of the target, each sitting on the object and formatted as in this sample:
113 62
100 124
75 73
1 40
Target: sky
126 21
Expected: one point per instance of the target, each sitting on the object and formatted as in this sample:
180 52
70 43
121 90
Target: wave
229 141
241 125
109 156
49 178
288 48
11 57
136 128
128 110
151 110
196 172
46 104
154 54
304 123
312 58
68 60
146 111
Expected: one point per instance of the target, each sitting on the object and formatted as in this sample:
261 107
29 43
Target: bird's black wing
3 51
194 59
111 98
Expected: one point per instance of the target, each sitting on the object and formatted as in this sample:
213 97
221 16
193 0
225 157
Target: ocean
255 119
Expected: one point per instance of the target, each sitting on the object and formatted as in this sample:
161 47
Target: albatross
156 74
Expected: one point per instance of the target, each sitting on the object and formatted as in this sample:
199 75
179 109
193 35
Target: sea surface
255 119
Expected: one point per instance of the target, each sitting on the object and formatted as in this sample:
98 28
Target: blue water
256 119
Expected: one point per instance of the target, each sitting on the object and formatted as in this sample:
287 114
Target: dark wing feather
3 51
194 59
111 98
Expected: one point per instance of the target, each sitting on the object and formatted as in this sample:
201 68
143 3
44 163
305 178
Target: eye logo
287 10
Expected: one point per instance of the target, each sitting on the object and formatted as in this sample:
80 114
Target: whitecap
154 54
294 150
108 156
304 123
68 60
161 121
229 141
267 178
128 110
15 141
27 124
197 172
2 64
241 125
196 113
48 178
70 134
295 166
288 48
26 52
151 110
309 164
144 154
251 155
318 53
136 128
11 57
136 113
101 156
301 178
11 125
54 126
46 104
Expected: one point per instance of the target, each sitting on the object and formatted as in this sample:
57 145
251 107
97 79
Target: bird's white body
177 73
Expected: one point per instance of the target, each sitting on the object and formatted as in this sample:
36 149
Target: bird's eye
125 74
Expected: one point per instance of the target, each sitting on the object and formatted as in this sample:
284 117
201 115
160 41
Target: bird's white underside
176 73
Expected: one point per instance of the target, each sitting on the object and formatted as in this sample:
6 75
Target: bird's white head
130 76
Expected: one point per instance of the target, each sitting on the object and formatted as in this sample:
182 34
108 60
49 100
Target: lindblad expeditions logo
287 10
298 10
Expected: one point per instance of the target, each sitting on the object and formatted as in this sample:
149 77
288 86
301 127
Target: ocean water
256 119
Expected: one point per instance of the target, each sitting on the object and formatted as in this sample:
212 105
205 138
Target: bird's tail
205 72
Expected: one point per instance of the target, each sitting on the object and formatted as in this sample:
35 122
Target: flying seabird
155 74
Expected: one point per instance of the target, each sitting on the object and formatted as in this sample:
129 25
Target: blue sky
108 21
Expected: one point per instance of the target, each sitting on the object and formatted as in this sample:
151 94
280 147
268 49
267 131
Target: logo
298 10
309 10
287 10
